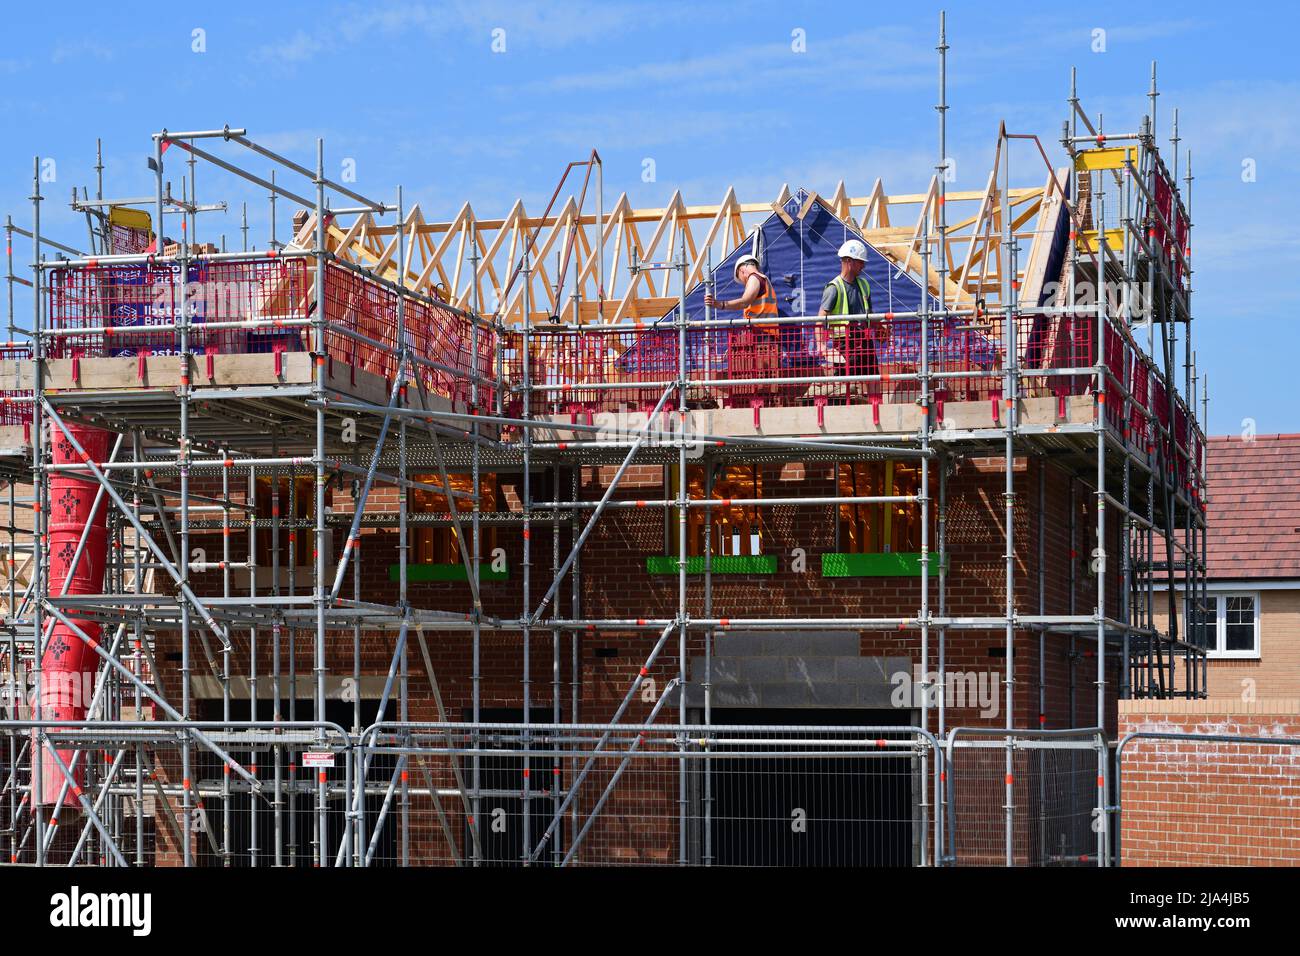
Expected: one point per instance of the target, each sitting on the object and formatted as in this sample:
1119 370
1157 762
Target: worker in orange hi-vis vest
754 349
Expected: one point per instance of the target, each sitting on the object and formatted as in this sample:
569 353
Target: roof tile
1254 506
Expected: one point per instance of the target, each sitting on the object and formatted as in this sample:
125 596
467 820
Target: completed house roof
1254 507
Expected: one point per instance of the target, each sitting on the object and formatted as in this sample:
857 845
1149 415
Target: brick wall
615 584
1200 803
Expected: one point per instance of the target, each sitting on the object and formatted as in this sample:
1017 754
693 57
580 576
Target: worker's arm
828 301
821 331
753 290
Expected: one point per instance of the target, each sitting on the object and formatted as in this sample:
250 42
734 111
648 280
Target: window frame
890 485
1219 651
440 540
759 532
272 490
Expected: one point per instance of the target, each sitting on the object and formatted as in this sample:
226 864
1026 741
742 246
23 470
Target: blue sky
713 93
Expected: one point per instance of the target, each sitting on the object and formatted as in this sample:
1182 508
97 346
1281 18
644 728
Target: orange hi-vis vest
763 308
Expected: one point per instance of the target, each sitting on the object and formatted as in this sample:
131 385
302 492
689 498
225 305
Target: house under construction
485 541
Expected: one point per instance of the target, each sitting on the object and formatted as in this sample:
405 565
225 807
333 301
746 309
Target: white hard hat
853 249
740 262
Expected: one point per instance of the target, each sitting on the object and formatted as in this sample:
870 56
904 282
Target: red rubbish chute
68 665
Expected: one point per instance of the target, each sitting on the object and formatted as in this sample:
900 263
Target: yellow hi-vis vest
842 297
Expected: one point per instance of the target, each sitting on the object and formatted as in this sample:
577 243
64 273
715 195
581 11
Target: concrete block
877 696
813 643
731 695
760 669
721 669
813 670
834 695
871 669
786 695
739 644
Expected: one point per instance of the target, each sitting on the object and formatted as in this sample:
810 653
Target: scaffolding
286 405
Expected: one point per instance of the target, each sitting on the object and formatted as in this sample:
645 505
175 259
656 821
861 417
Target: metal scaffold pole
683 610
1100 554
476 637
526 499
923 615
40 579
320 850
1010 344
941 316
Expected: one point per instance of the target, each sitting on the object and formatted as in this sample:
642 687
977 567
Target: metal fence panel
1025 798
552 795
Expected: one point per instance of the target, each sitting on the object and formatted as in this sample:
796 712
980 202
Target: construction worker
753 350
845 341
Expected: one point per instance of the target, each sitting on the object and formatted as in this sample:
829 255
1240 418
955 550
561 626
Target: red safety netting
581 372
457 351
121 308
362 329
267 291
1198 458
1179 463
1160 408
1138 427
1168 232
16 404
1118 357
128 240
115 305
361 322
1182 229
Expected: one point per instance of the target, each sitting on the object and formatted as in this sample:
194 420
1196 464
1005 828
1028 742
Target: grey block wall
795 669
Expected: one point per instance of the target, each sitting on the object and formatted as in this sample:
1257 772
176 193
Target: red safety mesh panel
1182 231
1170 239
121 307
1117 354
361 322
126 240
1139 386
453 350
1181 446
1198 457
1160 408
266 291
16 404
115 305
566 367
1159 401
361 331
579 372
1055 343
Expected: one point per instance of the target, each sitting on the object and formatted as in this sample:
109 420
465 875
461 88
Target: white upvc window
1233 619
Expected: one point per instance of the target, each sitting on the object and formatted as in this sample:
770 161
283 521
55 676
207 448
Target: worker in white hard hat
846 341
753 351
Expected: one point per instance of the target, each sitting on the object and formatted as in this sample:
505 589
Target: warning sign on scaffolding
317 758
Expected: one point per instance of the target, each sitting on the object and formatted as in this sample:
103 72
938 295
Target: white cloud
883 58
85 49
528 24
296 49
